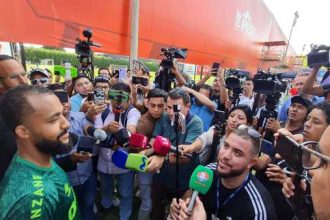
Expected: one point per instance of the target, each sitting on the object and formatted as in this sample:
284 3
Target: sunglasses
252 132
39 81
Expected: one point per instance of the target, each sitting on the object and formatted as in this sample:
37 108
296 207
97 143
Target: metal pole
296 16
134 32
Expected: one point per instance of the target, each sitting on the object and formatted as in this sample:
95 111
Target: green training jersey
31 192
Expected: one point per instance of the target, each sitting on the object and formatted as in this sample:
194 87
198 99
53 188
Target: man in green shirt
34 187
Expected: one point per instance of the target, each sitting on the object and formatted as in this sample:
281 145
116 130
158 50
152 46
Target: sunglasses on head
39 81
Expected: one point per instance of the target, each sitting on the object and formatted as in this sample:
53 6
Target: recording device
99 96
165 77
132 161
85 53
140 80
214 69
268 83
233 81
319 55
115 73
90 96
200 182
85 144
291 151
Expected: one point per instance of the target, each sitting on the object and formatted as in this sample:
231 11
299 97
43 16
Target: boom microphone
200 181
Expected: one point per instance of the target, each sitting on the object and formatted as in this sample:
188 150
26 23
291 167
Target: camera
85 53
319 55
268 83
234 80
165 77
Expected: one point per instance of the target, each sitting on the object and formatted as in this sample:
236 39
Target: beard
232 173
51 146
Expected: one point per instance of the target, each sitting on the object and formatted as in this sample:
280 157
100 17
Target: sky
312 26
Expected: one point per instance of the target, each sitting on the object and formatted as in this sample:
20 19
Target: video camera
165 77
319 55
85 53
234 80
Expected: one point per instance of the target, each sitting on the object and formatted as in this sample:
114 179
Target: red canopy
212 30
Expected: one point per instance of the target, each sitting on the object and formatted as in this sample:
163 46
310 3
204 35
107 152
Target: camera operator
201 105
12 74
298 83
140 89
247 95
318 90
82 86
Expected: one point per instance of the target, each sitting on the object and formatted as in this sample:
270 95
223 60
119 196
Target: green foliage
34 55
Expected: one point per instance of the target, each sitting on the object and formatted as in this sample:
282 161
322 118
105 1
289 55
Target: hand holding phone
214 69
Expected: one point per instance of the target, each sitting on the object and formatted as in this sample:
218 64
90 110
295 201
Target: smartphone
219 116
85 144
122 74
99 96
290 151
267 148
214 69
90 96
115 73
140 80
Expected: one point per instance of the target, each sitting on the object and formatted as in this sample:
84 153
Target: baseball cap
301 100
39 71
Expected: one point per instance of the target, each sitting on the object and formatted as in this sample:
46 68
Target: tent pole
134 32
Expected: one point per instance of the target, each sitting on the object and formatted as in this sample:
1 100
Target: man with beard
82 85
34 186
235 193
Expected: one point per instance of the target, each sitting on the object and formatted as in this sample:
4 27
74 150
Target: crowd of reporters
245 162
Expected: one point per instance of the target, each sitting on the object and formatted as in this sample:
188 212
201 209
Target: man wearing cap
39 77
297 114
299 84
319 90
81 85
12 74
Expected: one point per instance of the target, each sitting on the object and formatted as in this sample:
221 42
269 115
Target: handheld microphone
138 141
98 133
137 162
200 181
163 145
122 136
119 158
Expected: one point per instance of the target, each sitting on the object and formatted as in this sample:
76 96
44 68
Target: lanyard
232 195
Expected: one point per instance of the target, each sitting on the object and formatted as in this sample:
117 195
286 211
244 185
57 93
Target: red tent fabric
212 30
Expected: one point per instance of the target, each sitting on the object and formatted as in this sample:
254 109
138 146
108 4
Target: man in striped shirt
235 193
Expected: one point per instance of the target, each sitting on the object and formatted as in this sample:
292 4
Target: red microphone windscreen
138 141
161 145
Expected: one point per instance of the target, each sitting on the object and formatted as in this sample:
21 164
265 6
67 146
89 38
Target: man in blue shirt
82 85
164 185
201 104
80 168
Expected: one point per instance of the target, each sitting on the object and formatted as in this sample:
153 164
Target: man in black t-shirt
235 193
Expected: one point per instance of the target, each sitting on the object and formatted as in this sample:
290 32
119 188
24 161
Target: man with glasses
12 74
39 77
235 193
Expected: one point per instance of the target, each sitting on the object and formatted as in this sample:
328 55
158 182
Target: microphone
200 181
138 141
163 145
122 136
98 133
119 158
137 162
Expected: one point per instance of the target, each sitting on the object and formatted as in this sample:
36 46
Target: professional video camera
165 77
319 55
271 85
234 80
85 53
